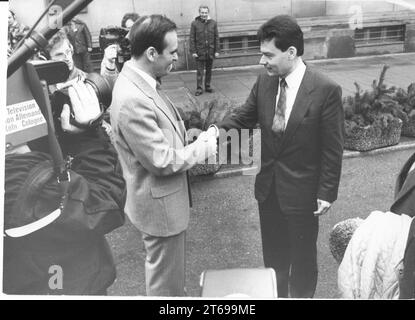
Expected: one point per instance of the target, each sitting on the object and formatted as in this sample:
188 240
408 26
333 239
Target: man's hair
285 31
56 41
203 6
149 31
130 15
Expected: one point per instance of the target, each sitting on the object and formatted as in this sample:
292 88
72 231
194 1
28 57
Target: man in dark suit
300 114
404 203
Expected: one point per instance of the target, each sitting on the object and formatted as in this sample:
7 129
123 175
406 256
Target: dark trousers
201 65
82 61
289 247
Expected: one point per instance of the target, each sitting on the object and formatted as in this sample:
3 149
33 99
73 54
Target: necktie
278 123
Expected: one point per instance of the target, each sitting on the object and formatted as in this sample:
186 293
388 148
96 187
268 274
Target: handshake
206 146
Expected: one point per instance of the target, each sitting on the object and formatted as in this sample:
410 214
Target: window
239 44
380 35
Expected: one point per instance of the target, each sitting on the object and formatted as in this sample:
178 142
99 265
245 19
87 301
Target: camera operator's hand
110 54
85 107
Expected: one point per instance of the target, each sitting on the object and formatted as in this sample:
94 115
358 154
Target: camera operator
59 48
128 19
116 45
30 187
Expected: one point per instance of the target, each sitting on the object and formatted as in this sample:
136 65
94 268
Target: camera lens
101 87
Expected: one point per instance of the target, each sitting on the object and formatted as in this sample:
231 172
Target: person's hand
194 55
216 54
89 49
193 134
213 131
322 207
210 142
110 54
85 107
212 149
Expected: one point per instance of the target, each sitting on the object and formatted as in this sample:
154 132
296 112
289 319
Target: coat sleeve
159 151
192 38
87 35
332 139
110 75
246 116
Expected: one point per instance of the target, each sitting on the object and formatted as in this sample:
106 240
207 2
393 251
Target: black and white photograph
236 150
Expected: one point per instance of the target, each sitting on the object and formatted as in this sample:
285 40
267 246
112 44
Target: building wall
328 25
108 12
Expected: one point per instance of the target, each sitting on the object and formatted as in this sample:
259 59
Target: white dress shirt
293 81
149 79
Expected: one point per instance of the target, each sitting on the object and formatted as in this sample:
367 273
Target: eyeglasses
63 55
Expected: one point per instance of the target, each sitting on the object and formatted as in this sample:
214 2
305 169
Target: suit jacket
404 203
151 142
306 164
405 190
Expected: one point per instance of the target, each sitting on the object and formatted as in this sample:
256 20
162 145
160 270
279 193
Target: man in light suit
151 141
300 114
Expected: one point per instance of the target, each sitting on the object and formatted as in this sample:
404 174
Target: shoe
209 89
198 92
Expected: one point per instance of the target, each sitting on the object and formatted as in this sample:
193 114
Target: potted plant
406 101
198 117
371 117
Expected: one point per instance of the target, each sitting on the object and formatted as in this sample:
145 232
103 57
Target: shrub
201 116
406 101
376 107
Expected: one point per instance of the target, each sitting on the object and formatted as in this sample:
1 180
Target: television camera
116 35
31 109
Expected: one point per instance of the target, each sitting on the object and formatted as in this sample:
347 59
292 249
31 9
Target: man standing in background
204 46
80 37
16 31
